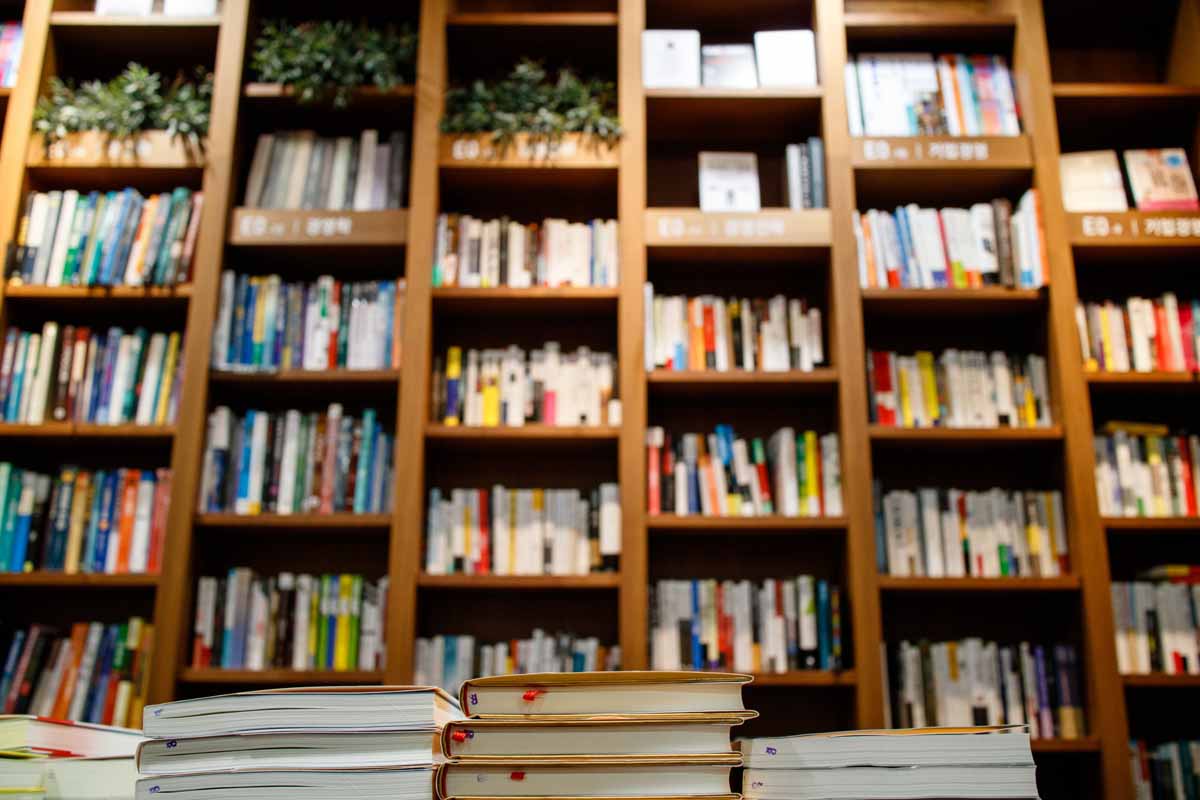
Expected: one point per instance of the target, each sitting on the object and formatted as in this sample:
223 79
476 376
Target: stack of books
965 763
377 741
624 734
47 759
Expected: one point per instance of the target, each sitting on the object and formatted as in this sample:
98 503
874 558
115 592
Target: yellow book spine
1106 345
812 489
167 381
929 385
906 415
491 396
314 621
341 642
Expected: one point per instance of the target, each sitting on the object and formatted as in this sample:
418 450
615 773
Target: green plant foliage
328 60
527 101
130 103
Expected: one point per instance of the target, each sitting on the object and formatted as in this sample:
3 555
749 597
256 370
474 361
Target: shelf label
917 150
92 148
678 228
262 226
1100 226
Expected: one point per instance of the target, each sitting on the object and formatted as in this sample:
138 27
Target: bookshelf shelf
1066 583
602 580
273 95
1139 380
1151 524
1084 100
279 677
710 114
534 300
527 433
772 234
684 525
949 154
1089 744
374 523
149 151
883 435
812 677
252 227
574 152
86 430
59 580
932 25
1134 229
1161 681
986 300
94 295
741 382
87 19
380 378
561 19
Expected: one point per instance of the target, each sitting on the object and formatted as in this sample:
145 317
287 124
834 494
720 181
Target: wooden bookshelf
1064 78
1161 681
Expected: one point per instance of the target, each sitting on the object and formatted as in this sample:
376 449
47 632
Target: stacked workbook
360 742
595 734
981 762
46 759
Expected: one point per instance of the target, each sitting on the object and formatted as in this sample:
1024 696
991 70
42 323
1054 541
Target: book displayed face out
729 182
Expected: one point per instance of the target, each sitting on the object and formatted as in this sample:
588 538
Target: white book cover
46 369
786 58
729 182
671 59
139 551
259 166
854 110
62 238
364 186
1092 182
728 66
301 163
132 8
148 402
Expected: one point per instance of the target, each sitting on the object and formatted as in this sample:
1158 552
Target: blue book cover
102 384
693 476
10 663
237 331
246 356
881 557
102 667
679 361
824 642
87 553
112 242
128 232
909 270
362 484
241 621
331 620
449 655
697 650
247 440
24 521
387 296
725 444
9 493
12 408
108 512
275 354
225 657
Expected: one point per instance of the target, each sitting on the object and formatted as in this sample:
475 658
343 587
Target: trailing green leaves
328 60
129 104
528 102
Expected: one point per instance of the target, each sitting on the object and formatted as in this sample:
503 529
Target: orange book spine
63 701
129 492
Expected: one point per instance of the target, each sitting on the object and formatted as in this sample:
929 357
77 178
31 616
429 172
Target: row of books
448 660
294 170
958 389
109 521
676 59
96 672
300 622
69 373
11 40
914 94
723 475
293 462
1156 622
988 244
804 174
1145 470
706 332
729 182
1166 771
1159 180
266 324
977 682
505 531
1140 335
776 625
513 387
115 238
475 253
953 533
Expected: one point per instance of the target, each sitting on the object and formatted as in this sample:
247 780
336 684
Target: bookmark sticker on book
516 776
532 694
462 736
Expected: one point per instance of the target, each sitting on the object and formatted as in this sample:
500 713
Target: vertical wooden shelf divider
848 346
409 498
631 207
1089 552
173 602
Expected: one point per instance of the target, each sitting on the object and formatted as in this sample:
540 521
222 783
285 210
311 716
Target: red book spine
333 336
158 524
885 391
1185 460
1162 351
1189 344
710 337
485 535
653 482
